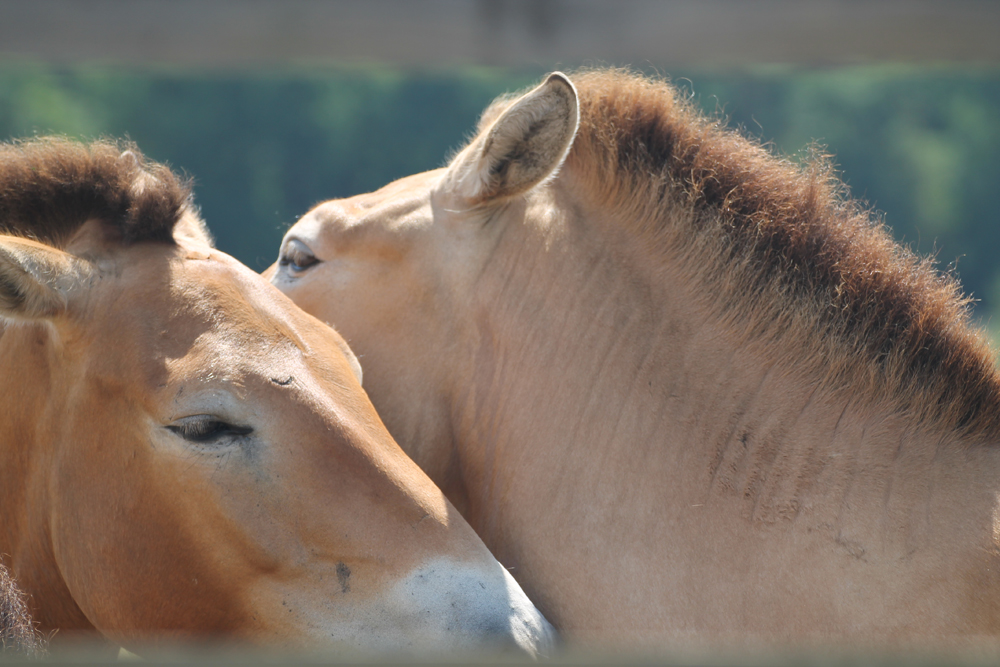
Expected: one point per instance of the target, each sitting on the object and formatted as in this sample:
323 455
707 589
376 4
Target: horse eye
297 256
206 429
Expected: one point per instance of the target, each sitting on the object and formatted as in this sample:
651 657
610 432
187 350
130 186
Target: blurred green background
921 144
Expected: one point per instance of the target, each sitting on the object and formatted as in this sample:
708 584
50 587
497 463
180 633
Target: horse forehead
388 204
408 187
238 305
187 300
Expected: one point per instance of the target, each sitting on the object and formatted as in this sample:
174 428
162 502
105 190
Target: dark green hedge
921 145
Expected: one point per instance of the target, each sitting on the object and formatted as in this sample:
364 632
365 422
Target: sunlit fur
50 186
688 389
782 252
185 455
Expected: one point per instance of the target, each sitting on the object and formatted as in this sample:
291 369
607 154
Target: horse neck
603 379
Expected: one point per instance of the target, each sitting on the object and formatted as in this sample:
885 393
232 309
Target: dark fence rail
664 33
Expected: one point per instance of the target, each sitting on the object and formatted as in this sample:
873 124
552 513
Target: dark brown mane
786 255
50 186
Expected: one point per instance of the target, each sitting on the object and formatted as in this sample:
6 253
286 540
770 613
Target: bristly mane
784 255
50 186
17 633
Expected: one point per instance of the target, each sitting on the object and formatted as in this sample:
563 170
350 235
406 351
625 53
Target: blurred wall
665 33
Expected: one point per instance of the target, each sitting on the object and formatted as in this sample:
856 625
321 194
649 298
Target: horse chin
449 607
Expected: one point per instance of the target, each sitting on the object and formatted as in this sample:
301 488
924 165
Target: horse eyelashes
204 429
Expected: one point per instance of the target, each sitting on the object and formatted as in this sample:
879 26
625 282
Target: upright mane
17 633
50 186
784 254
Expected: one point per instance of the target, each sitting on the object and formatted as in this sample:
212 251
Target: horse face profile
688 390
394 270
187 456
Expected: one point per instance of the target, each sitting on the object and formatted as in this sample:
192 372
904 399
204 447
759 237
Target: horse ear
191 226
523 147
36 280
352 359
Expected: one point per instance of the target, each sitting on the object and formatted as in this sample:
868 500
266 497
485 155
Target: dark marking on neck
343 574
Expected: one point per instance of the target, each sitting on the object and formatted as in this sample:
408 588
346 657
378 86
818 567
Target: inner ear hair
524 146
36 280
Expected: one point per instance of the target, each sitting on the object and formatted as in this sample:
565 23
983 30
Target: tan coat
685 390
185 455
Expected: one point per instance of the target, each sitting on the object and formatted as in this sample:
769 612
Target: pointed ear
352 359
191 226
523 147
36 280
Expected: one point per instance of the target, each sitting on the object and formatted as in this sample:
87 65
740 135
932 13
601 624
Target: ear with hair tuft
192 227
36 280
352 360
524 147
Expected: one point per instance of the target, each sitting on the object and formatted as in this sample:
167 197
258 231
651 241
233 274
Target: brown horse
687 389
186 455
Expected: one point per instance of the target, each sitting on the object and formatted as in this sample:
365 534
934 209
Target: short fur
50 186
129 421
783 251
688 391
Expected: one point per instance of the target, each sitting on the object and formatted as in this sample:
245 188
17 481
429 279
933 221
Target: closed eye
296 256
207 429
